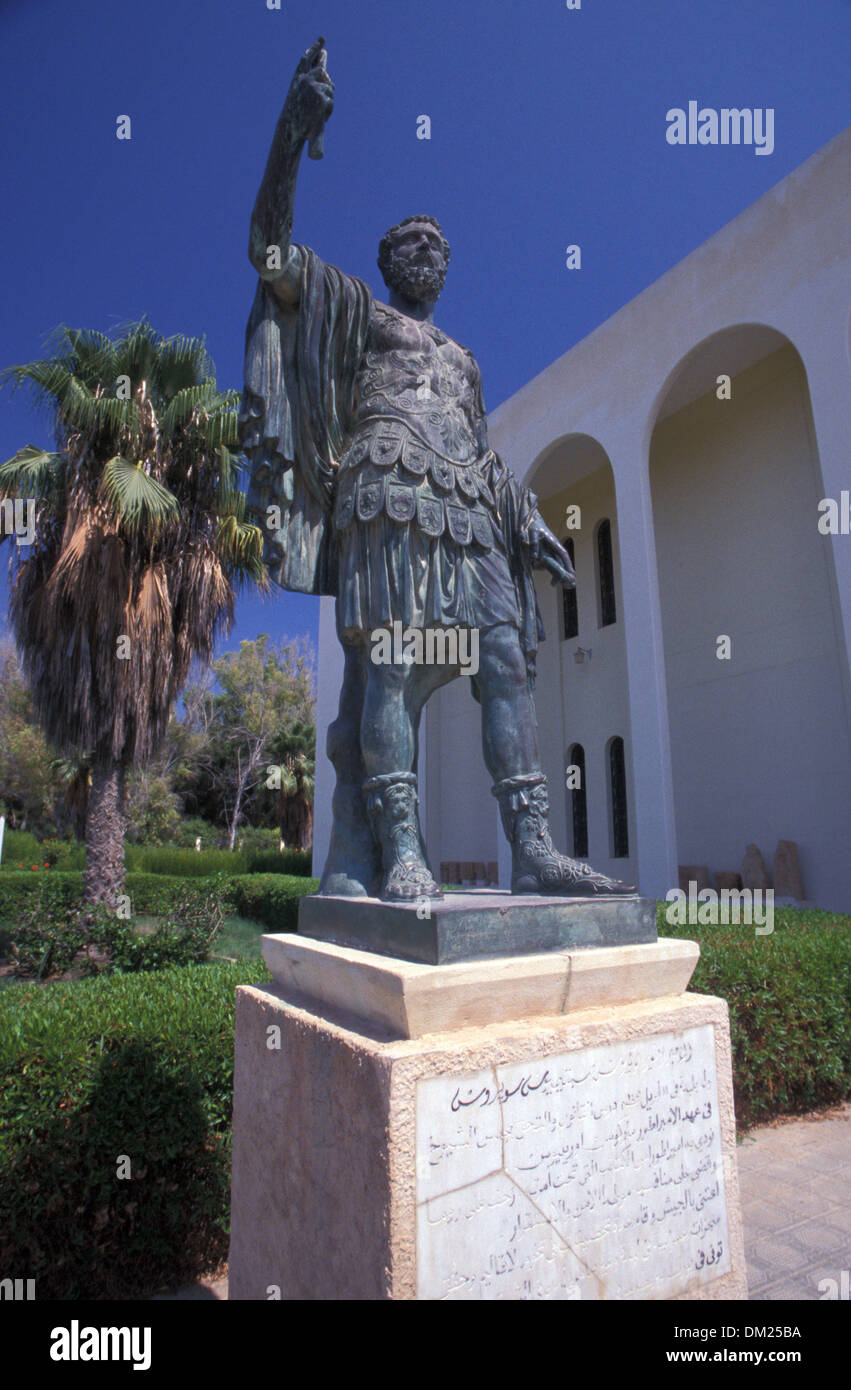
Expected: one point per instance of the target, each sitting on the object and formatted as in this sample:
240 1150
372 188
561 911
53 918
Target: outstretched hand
548 553
311 97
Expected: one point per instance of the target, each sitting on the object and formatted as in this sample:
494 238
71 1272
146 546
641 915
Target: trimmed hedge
21 848
51 940
790 1008
270 898
200 863
135 1067
298 862
150 893
267 898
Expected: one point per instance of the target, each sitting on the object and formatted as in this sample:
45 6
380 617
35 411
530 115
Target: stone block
409 999
694 873
584 1156
754 872
466 926
787 871
727 879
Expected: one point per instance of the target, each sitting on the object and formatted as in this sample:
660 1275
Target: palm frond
185 402
31 472
222 426
240 545
136 497
181 363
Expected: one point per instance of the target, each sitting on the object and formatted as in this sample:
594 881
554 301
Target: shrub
22 848
19 888
135 1065
187 863
789 995
149 893
194 828
52 938
200 863
270 898
24 853
258 838
66 854
287 861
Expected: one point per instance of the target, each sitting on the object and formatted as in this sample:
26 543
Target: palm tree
140 539
75 777
297 752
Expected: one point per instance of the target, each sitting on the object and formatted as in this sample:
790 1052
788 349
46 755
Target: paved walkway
795 1184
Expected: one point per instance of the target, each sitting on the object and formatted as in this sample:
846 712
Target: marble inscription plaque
592 1174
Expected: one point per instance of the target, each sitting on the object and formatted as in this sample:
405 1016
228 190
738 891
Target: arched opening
759 738
569 607
578 798
618 814
581 690
607 605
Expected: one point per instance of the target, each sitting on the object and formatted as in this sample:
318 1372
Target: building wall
460 822
760 745
587 703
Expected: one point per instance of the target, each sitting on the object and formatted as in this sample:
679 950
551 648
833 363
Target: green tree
75 779
295 754
264 689
28 785
140 538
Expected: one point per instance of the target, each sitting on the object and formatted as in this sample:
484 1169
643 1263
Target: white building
713 515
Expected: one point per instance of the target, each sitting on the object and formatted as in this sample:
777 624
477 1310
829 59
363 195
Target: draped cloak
298 403
300 370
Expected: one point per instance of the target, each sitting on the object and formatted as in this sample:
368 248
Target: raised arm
309 103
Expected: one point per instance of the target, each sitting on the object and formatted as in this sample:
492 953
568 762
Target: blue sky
548 128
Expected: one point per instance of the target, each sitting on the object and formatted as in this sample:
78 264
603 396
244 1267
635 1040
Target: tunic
370 470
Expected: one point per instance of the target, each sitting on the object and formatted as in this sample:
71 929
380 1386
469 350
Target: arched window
578 808
617 799
570 611
606 574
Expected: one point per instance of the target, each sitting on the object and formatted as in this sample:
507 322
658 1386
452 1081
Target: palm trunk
103 880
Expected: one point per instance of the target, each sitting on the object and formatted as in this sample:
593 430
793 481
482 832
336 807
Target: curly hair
385 248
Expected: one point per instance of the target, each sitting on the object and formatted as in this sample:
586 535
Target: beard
418 283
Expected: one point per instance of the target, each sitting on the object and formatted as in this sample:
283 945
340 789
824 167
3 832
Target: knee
343 736
501 657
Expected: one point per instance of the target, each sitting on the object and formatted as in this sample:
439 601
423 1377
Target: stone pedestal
551 1126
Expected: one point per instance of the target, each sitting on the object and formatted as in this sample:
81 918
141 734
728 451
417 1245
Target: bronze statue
371 472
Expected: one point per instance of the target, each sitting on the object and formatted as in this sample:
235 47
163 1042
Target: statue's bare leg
393 701
510 743
353 866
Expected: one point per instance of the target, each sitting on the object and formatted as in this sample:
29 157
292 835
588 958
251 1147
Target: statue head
413 257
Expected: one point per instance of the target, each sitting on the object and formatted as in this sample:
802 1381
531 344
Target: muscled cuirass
418 434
